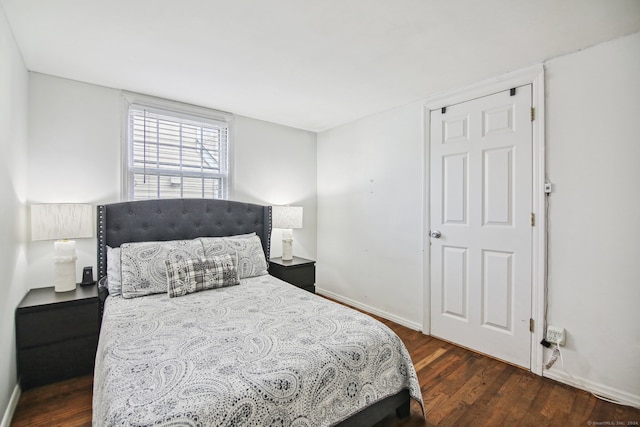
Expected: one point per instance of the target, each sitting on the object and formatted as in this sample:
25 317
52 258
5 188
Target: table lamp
287 218
62 222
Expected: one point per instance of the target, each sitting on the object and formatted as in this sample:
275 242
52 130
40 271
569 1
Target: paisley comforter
261 353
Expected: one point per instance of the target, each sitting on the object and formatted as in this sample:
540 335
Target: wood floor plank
527 389
485 404
583 404
501 403
430 358
67 403
477 385
460 388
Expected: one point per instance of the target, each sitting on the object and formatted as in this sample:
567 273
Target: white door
481 231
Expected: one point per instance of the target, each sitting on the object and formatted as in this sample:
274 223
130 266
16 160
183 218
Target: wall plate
555 335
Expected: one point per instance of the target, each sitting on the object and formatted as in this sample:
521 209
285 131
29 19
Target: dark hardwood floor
463 388
460 388
67 403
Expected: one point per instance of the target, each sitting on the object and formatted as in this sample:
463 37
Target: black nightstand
299 271
56 335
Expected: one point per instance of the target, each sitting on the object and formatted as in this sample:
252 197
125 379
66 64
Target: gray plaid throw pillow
186 276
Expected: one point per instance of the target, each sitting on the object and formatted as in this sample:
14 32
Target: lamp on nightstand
287 218
61 222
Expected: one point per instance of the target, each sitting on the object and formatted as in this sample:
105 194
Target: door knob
435 234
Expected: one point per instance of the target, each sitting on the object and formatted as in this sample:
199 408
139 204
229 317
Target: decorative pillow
114 274
248 247
193 275
143 264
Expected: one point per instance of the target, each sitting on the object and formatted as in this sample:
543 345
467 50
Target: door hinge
533 219
533 114
530 325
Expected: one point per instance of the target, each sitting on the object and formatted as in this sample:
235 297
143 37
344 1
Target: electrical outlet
555 334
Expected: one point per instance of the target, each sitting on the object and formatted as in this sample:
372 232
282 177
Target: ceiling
310 64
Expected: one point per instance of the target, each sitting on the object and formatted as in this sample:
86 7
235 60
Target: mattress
260 353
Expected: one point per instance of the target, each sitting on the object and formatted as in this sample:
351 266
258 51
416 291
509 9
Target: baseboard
607 392
399 320
11 407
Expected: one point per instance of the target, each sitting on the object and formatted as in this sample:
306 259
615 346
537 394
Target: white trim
597 389
11 406
399 320
231 153
124 148
539 250
426 262
534 76
173 106
178 109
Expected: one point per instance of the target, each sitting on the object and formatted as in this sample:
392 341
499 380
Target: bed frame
178 219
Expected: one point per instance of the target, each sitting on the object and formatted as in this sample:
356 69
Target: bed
251 350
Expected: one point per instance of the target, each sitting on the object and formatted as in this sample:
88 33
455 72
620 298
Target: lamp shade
58 221
287 217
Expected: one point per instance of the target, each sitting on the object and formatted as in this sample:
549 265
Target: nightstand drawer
57 323
298 271
57 362
300 276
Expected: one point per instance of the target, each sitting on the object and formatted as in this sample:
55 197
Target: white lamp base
287 249
287 244
65 280
64 258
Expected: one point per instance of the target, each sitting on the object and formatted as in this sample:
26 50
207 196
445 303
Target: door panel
454 271
497 290
455 194
498 187
481 198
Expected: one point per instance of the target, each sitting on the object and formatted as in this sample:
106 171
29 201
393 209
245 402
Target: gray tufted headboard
177 219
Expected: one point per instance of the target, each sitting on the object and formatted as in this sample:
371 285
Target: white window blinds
172 154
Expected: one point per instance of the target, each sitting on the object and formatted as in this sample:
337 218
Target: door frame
534 76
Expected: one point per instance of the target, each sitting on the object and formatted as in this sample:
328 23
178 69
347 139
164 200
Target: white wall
276 165
75 151
13 192
74 156
370 210
593 154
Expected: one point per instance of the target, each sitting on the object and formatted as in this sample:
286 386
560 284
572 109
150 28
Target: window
175 154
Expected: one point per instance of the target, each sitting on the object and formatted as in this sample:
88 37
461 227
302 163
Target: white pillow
248 247
114 274
143 264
